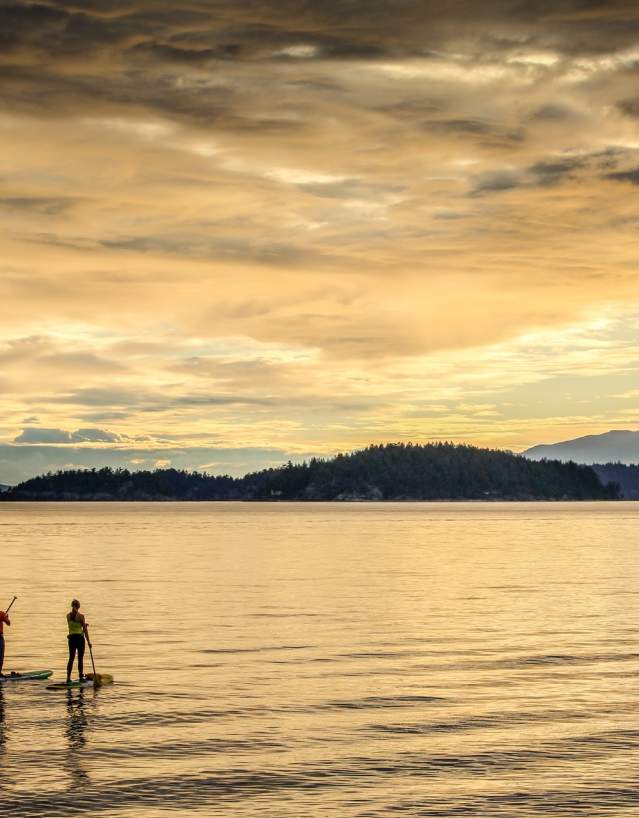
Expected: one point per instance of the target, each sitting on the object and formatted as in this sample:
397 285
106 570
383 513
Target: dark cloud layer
44 205
360 28
553 171
626 176
62 54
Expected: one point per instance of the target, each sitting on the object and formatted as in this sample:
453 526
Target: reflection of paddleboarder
78 721
77 724
78 630
3 736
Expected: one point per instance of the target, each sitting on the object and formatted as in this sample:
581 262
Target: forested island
397 471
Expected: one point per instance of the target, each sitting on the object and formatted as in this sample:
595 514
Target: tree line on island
395 471
625 475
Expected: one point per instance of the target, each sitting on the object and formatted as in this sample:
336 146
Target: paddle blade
100 678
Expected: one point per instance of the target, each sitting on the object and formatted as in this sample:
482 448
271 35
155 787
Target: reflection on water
76 733
3 729
342 661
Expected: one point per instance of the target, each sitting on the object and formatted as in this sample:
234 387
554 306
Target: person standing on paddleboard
78 630
4 620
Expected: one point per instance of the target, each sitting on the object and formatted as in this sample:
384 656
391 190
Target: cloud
43 205
94 436
42 435
361 30
21 462
554 113
351 189
496 181
626 176
553 170
150 400
630 107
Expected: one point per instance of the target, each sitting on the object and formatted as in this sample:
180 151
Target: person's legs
1 653
72 648
81 657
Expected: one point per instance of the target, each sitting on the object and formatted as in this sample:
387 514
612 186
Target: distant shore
158 500
396 472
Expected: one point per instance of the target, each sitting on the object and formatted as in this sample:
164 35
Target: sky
234 233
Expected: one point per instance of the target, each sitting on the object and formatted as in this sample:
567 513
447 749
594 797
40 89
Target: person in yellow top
78 630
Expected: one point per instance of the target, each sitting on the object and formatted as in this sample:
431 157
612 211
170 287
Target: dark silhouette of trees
395 471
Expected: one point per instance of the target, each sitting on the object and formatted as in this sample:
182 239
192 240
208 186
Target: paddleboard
27 676
70 685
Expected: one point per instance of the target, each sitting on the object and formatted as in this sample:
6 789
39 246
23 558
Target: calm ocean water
325 660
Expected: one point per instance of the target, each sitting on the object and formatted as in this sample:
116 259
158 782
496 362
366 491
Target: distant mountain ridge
395 471
616 446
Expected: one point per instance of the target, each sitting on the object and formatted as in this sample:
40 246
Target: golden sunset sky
238 232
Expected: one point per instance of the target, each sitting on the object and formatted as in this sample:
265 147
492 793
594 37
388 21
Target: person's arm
4 618
85 628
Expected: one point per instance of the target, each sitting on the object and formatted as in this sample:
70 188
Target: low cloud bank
19 462
40 435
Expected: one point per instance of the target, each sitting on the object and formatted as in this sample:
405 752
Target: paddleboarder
4 620
78 633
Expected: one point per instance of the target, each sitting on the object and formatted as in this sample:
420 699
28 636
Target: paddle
6 615
99 678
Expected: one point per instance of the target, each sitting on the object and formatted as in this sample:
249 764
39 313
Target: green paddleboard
27 676
70 685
